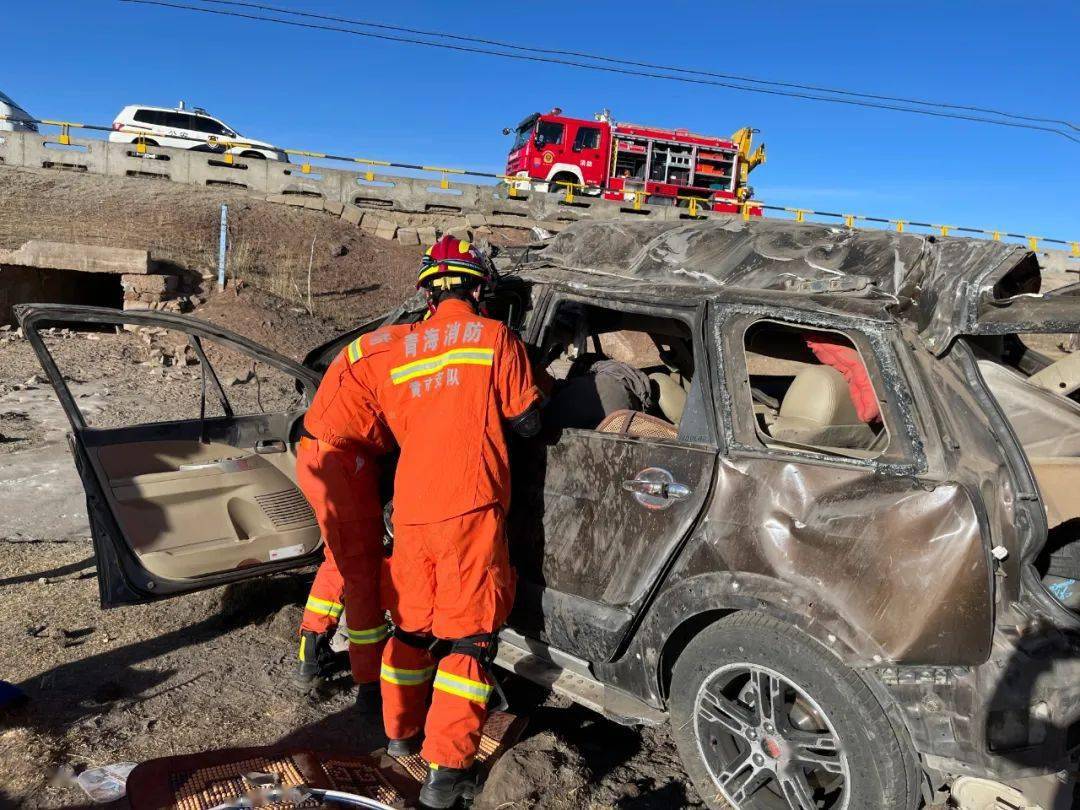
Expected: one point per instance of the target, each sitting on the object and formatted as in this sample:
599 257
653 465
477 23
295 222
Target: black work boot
405 747
444 786
317 658
369 698
307 670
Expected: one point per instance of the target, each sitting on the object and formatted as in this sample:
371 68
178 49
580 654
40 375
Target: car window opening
811 390
1035 379
618 372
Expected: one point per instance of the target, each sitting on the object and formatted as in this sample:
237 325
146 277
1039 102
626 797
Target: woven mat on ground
202 781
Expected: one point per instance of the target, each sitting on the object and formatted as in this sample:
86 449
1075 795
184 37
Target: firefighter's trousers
452 580
326 600
342 488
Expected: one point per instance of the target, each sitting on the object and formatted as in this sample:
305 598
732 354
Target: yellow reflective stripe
372 635
405 677
432 365
324 607
462 687
303 644
355 351
456 269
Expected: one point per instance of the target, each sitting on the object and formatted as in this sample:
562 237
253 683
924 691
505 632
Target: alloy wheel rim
767 744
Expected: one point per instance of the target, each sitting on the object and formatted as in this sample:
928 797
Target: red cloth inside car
833 351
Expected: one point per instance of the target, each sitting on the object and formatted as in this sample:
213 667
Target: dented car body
906 552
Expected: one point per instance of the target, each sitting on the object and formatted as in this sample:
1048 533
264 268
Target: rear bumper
1017 716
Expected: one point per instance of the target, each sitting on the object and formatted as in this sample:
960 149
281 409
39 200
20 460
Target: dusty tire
857 760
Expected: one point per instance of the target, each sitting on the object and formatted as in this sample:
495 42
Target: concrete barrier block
370 222
460 232
82 258
334 207
408 236
313 203
475 220
427 236
351 214
280 199
148 283
386 229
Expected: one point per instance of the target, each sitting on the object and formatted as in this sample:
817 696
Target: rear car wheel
767 719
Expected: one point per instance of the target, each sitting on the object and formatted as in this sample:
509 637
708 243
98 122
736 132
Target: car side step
575 684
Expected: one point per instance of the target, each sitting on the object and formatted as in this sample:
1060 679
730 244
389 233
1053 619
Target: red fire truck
552 152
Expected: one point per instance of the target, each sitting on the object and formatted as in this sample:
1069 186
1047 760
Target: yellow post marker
945 229
228 158
1076 249
445 182
1033 242
65 135
995 235
569 193
637 200
140 146
693 206
746 211
511 191
900 223
369 176
305 168
849 220
800 213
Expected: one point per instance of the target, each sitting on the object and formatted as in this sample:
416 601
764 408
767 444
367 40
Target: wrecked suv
829 529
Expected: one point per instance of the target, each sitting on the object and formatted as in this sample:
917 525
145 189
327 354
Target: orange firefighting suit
451 383
337 471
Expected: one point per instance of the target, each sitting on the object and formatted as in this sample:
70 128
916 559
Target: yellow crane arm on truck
748 161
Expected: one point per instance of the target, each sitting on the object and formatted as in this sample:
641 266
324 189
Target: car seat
668 395
818 410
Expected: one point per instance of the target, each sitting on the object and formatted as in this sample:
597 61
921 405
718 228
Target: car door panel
584 545
187 504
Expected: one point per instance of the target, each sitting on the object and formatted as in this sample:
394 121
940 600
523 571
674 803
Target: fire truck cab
553 152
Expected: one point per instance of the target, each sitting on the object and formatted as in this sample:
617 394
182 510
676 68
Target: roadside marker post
222 244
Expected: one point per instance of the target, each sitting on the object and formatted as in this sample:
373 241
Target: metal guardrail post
222 245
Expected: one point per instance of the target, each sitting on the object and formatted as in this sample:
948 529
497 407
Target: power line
648 65
602 68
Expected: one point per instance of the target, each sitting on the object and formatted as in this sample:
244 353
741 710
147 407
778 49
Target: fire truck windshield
522 136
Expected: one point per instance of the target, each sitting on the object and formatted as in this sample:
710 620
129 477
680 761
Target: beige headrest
819 395
818 410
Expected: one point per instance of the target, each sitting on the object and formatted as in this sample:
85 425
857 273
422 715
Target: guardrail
222 152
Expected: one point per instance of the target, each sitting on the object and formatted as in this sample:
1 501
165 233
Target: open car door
187 459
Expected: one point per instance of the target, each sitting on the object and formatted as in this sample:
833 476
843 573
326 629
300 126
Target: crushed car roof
930 281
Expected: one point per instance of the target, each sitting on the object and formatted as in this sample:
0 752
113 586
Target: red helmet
450 262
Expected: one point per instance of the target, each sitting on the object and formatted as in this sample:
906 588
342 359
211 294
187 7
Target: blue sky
85 59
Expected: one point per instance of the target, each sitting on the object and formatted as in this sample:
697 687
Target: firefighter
454 382
338 472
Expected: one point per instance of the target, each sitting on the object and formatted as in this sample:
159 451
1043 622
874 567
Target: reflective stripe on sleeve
405 677
324 607
463 687
355 351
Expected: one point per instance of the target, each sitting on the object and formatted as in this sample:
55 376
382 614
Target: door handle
264 446
656 488
673 491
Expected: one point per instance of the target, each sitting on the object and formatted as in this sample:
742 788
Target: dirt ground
211 669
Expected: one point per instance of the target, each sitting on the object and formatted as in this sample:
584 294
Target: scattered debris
242 379
107 783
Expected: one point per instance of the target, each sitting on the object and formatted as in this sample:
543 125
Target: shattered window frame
693 315
779 443
904 455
